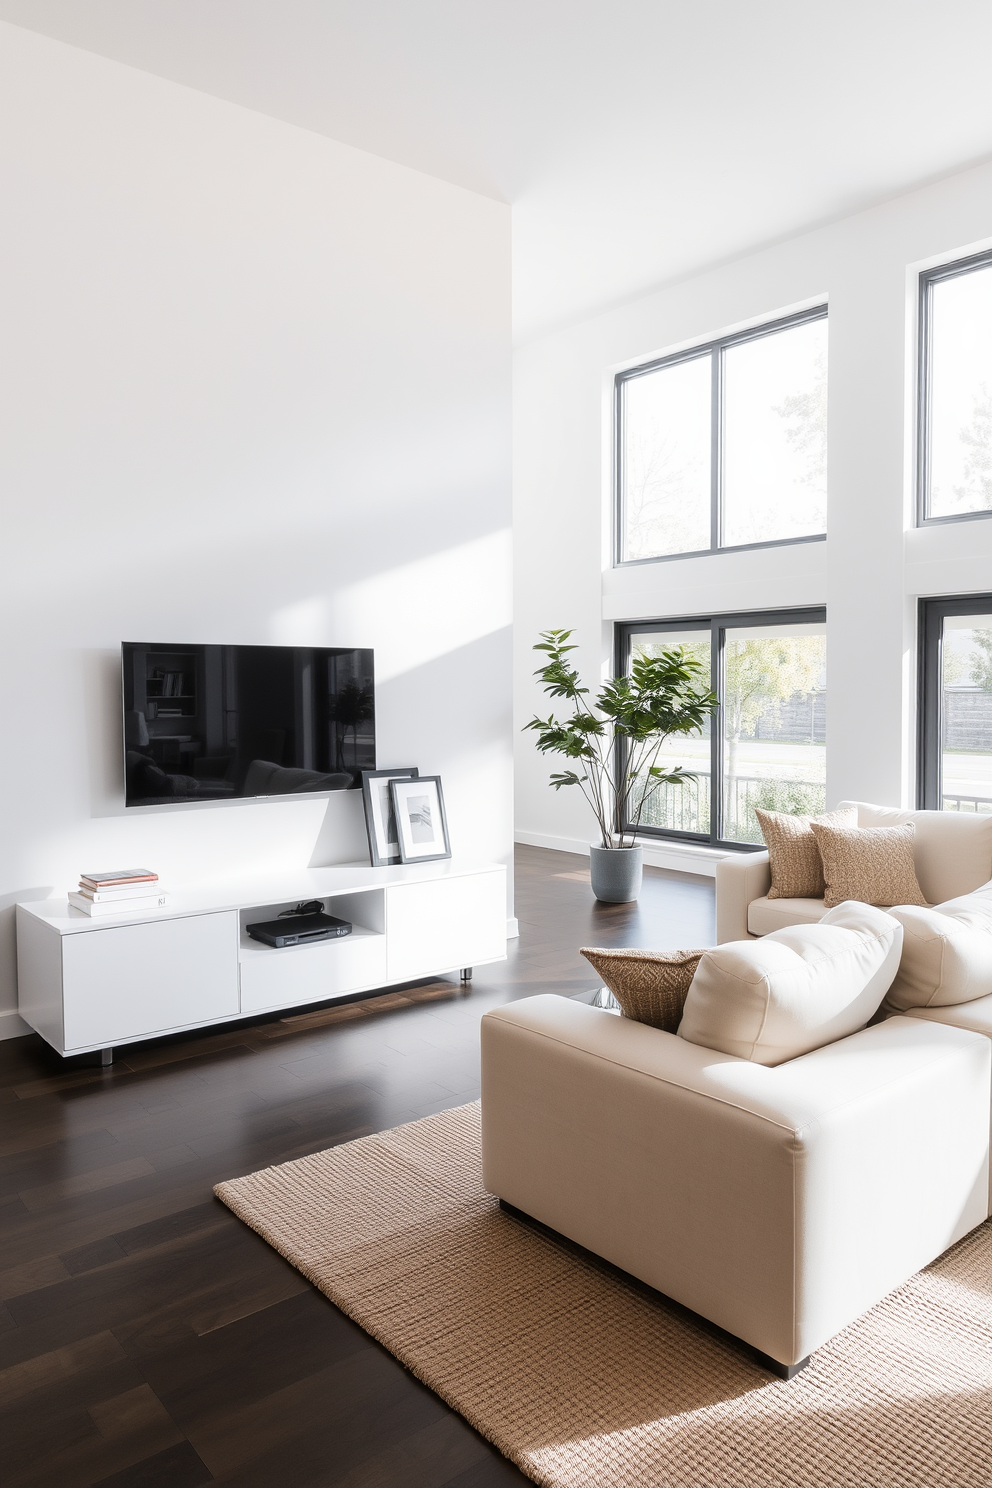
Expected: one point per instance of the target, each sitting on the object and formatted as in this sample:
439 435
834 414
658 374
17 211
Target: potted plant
615 742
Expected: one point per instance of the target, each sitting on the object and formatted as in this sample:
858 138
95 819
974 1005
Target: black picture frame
380 813
418 811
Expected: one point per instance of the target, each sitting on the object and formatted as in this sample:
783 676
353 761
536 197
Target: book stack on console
119 891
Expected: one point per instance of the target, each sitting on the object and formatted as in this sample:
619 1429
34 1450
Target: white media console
87 984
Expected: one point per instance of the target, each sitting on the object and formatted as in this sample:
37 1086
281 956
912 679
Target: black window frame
713 349
972 264
929 749
718 625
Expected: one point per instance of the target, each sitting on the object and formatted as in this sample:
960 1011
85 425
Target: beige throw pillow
871 864
773 999
650 986
793 854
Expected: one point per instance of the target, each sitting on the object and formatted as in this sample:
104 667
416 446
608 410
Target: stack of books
119 891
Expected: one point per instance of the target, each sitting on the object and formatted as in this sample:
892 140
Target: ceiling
637 140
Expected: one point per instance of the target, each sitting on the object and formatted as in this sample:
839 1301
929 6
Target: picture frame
422 827
380 815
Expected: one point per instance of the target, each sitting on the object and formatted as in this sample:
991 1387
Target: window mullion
717 681
716 448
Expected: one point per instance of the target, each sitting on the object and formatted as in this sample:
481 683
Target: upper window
955 417
725 446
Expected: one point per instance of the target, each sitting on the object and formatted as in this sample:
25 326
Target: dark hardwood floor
146 1336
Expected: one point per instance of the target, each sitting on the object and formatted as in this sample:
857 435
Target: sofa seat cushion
947 952
795 990
975 1016
765 915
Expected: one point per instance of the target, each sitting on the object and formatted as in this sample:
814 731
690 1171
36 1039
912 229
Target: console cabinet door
133 981
444 924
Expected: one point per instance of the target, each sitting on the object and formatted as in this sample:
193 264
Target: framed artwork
380 818
420 820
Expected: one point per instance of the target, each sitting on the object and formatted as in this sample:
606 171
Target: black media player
298 929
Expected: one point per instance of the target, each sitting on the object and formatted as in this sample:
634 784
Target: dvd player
298 929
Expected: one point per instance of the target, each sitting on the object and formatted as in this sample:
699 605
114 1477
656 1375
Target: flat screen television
213 723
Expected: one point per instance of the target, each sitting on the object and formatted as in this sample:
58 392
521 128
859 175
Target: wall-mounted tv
212 723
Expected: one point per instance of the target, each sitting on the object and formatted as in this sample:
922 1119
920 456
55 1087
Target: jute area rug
582 1378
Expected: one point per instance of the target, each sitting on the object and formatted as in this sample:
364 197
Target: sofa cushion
873 865
946 953
650 986
793 854
764 915
773 999
952 850
975 1016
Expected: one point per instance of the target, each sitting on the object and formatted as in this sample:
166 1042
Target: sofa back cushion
952 850
946 953
773 999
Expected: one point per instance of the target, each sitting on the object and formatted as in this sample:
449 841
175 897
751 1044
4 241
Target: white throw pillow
946 952
773 999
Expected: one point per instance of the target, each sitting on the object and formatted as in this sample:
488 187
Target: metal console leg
466 974
106 1058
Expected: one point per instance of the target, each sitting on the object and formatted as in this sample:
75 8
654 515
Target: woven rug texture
583 1379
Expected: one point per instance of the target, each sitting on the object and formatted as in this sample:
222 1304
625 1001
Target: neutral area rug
582 1378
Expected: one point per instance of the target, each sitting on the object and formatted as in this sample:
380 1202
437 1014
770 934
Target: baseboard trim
678 856
512 928
12 1025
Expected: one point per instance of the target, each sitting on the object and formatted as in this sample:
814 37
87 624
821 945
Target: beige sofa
778 1202
952 854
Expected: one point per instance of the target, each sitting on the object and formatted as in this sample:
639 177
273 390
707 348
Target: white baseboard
12 1025
681 857
512 928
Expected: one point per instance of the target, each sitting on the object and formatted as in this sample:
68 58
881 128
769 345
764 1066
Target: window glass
966 713
666 460
679 808
960 401
775 436
774 724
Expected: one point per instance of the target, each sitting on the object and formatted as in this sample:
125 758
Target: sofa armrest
739 879
779 1202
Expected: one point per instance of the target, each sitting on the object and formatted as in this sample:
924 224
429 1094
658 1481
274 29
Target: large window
767 742
725 446
956 704
955 415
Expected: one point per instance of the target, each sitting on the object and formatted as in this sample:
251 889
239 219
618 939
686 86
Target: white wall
873 566
256 389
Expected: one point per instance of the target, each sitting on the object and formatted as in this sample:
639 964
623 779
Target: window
955 416
956 704
725 446
766 745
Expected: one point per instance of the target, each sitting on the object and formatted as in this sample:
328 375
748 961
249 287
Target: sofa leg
782 1371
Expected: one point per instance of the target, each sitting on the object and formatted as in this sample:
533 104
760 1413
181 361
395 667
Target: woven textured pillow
650 986
873 865
793 854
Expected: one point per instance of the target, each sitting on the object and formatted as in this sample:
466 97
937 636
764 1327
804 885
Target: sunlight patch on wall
412 613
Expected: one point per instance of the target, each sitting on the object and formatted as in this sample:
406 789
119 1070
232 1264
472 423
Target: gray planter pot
616 873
